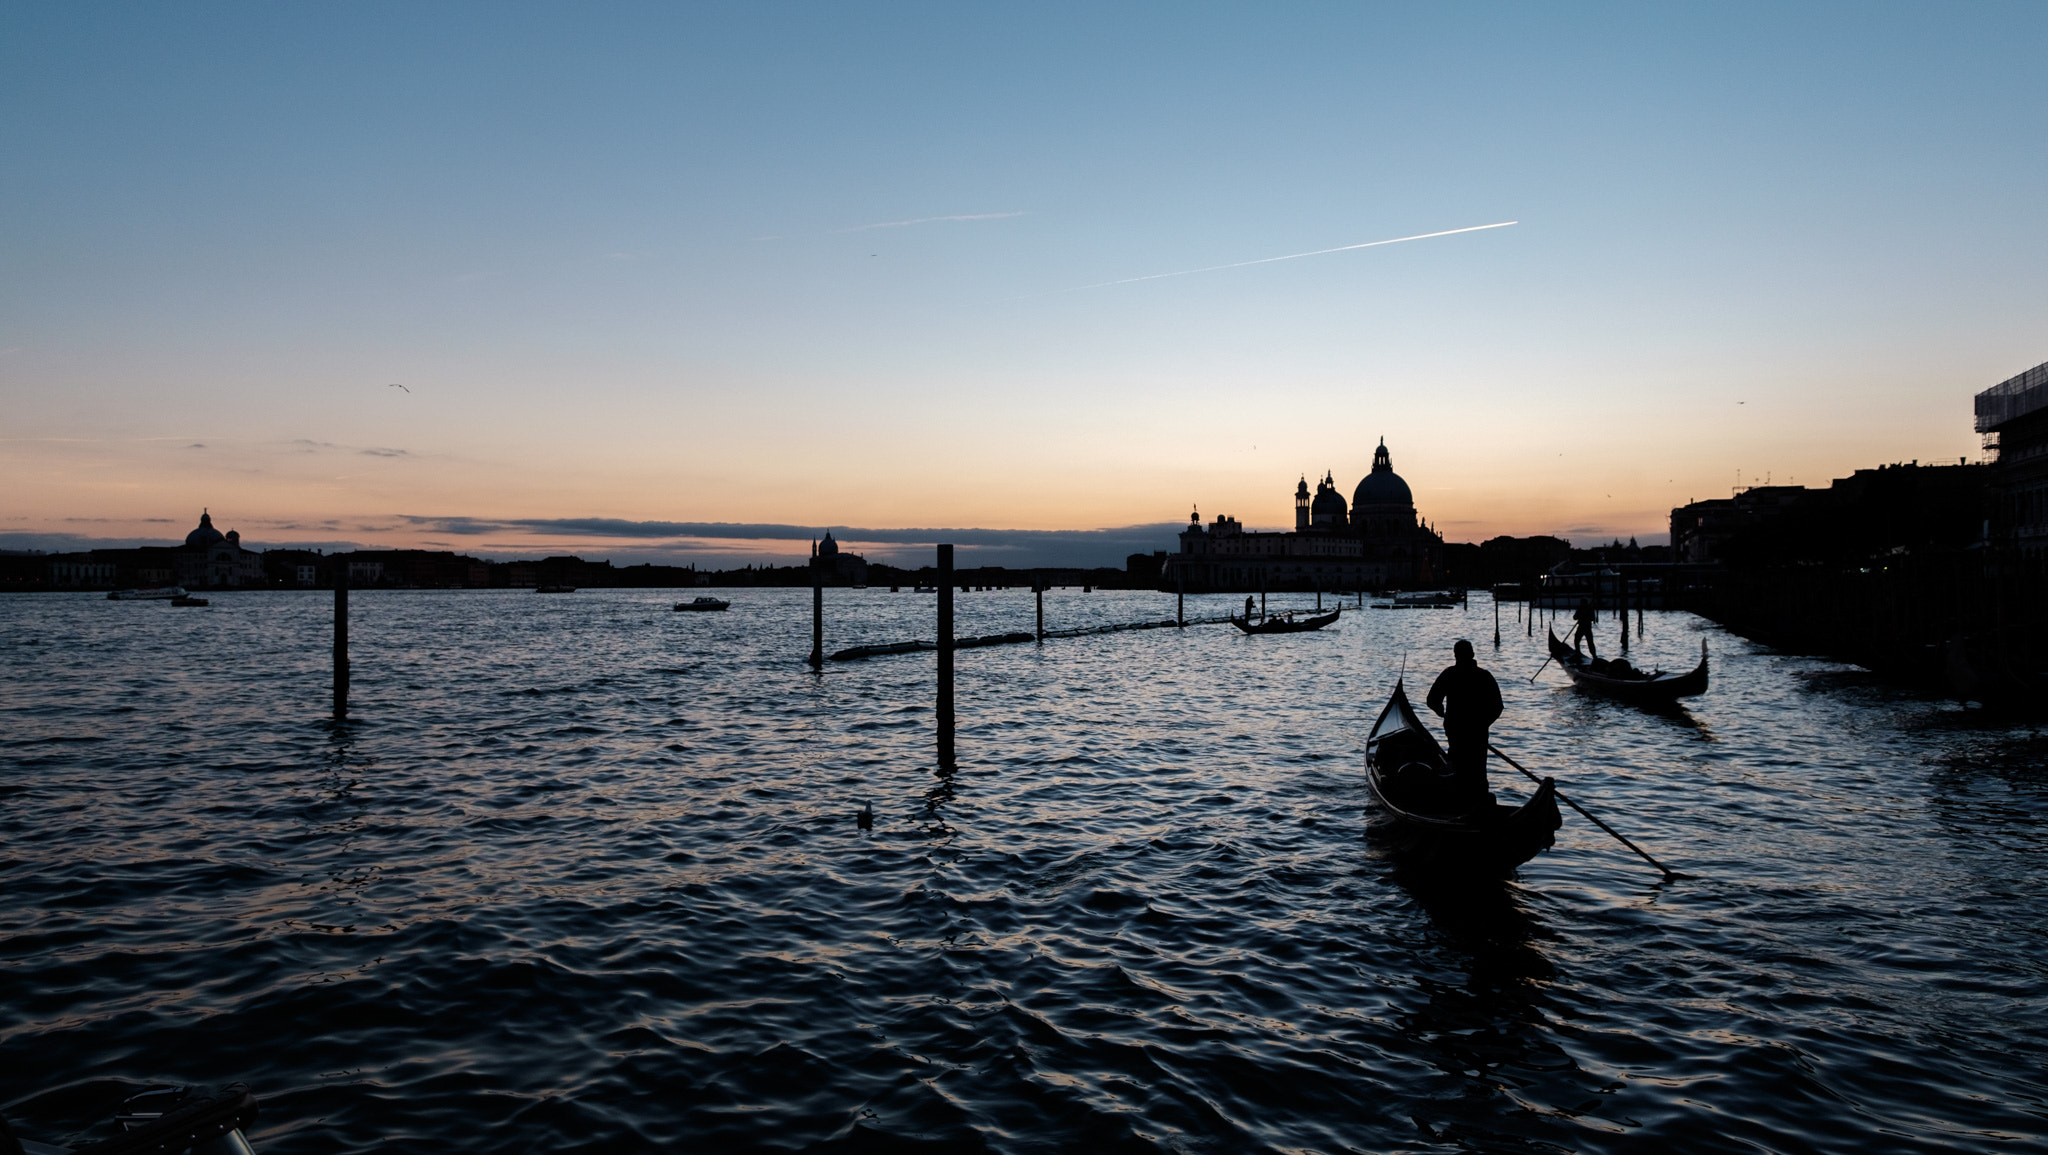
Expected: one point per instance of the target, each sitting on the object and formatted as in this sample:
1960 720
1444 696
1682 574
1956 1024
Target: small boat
188 600
153 594
704 604
554 589
1285 623
1431 600
1619 679
1409 775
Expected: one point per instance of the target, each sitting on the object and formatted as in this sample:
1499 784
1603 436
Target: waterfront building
211 559
1376 541
850 568
2013 417
81 571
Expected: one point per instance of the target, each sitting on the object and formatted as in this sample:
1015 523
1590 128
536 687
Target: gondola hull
1285 625
1662 688
1406 769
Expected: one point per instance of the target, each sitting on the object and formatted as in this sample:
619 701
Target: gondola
1409 775
1285 623
1654 686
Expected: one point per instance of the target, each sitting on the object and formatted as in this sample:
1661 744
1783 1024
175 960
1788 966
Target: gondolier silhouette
1247 607
1468 699
1582 628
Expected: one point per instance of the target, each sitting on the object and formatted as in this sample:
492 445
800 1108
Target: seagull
396 385
865 816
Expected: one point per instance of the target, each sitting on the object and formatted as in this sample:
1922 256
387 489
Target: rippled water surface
584 874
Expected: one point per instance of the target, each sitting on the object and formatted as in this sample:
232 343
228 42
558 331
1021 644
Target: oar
1533 677
1669 873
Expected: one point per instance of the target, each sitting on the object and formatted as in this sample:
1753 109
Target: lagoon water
583 874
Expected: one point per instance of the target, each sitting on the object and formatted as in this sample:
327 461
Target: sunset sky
639 268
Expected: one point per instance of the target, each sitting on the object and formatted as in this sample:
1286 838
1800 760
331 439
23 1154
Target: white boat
1432 600
152 594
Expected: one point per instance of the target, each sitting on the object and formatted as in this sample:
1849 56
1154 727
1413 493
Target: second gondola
1285 623
1620 680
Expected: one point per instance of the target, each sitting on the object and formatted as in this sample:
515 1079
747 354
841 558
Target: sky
694 282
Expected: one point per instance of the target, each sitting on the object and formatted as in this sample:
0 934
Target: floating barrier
858 653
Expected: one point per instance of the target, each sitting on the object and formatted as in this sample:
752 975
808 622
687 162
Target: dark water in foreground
584 875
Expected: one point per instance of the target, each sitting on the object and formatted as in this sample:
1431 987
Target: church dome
205 535
1382 486
1329 503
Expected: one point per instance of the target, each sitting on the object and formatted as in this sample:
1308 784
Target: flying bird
396 385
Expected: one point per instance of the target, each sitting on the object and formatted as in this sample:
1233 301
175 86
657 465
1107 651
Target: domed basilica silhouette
1375 542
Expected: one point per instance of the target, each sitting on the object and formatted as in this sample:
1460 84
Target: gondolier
1468 700
1582 628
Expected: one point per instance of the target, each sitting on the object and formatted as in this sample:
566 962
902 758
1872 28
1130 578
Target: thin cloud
931 220
1288 257
379 452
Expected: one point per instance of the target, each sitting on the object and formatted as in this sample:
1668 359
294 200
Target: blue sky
821 265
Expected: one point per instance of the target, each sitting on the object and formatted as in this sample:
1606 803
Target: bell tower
1301 504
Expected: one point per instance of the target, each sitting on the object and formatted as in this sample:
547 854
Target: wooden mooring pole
1038 587
1180 597
945 703
817 658
1496 619
340 641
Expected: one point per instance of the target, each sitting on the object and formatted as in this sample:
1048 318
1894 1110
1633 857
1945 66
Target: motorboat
151 594
704 604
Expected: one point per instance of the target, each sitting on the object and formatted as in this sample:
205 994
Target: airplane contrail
1290 256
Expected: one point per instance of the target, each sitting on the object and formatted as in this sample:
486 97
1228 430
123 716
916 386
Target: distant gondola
1285 623
1410 778
1635 686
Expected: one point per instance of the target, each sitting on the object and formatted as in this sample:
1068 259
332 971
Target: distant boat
188 600
1628 683
1285 623
926 590
554 589
704 604
1432 600
152 594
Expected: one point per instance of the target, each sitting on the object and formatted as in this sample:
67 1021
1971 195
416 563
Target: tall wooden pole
340 641
1038 587
945 703
1496 618
817 658
1180 597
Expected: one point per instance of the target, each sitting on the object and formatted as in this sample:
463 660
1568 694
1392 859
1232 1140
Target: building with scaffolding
2013 417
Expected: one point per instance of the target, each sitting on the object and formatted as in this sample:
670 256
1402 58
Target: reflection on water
583 871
